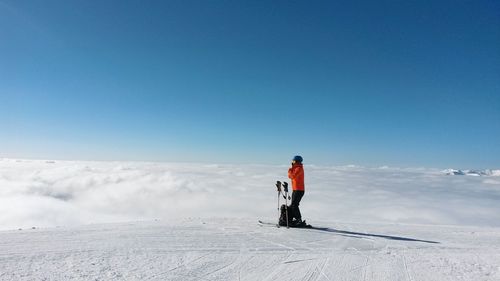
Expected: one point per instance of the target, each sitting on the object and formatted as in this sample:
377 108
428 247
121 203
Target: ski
294 226
269 223
302 225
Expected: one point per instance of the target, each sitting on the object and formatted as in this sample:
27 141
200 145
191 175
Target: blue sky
405 83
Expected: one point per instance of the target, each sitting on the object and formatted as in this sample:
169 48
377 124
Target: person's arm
298 172
294 173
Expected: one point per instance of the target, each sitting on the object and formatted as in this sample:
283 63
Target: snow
476 173
239 249
64 220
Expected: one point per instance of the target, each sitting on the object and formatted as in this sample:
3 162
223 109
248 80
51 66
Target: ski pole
278 186
285 188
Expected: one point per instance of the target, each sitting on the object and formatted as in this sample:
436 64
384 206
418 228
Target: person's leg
296 197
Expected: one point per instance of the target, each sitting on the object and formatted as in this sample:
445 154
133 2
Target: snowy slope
476 173
62 220
239 249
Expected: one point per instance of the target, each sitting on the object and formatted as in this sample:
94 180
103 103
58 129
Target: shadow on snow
358 234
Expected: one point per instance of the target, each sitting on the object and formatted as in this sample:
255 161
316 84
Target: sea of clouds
36 193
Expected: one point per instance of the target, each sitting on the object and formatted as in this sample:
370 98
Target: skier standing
296 174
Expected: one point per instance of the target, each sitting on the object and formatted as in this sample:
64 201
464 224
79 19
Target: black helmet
298 158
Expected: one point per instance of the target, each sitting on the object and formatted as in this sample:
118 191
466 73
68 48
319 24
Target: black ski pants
296 197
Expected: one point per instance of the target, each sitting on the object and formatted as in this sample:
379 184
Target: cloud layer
57 193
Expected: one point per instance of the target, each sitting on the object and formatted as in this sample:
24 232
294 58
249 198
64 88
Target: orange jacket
296 174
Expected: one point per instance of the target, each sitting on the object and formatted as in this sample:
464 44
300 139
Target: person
296 174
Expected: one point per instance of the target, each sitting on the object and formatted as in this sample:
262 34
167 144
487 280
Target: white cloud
45 193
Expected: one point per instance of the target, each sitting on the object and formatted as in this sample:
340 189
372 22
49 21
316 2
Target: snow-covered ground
239 249
64 220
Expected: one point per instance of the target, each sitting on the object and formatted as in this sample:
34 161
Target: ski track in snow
241 249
